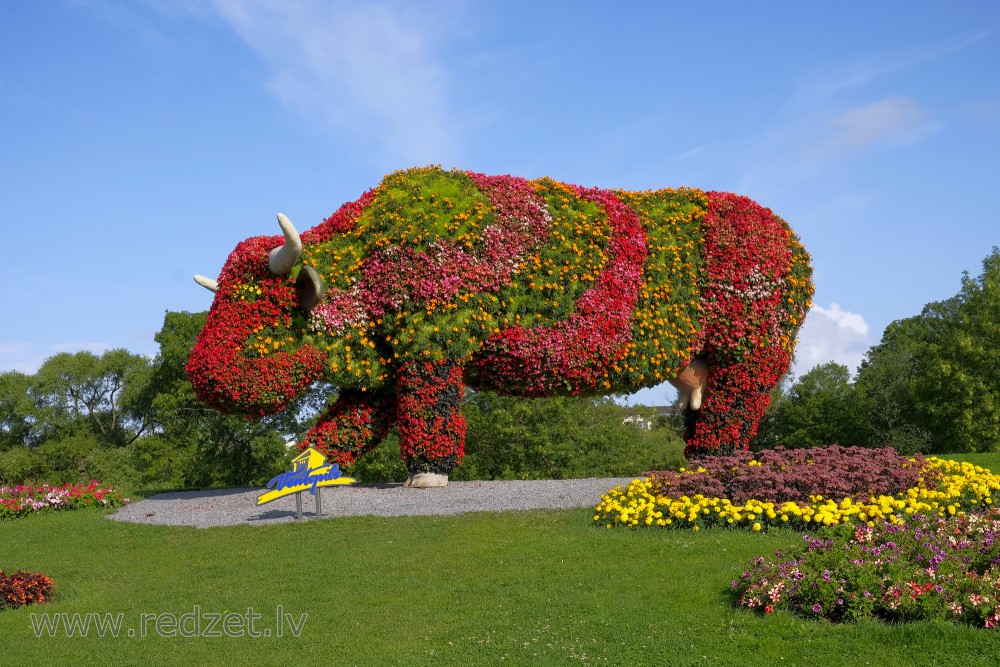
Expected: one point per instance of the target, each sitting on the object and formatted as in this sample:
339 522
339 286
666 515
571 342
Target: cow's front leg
736 399
351 425
691 384
431 425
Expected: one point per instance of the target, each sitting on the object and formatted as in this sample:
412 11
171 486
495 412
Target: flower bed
923 568
802 489
23 588
18 501
906 538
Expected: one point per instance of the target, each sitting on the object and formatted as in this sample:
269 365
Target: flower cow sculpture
437 280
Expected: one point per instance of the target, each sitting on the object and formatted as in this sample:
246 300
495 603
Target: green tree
769 429
19 425
559 438
54 423
933 382
195 445
887 381
817 410
82 392
960 391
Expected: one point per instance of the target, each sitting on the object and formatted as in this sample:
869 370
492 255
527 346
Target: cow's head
250 357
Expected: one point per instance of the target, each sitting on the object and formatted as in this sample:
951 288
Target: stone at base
427 480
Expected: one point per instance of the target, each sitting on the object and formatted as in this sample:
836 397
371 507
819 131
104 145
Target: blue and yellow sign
309 472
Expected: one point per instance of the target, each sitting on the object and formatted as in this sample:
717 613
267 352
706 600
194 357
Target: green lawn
989 460
520 588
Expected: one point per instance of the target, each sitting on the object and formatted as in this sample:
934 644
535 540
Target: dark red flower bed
781 475
21 588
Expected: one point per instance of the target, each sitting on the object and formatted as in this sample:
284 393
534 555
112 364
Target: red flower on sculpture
438 279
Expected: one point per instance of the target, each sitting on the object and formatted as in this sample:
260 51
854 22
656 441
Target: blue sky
142 140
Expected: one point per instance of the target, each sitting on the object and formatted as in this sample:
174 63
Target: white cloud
21 357
817 139
896 121
831 334
823 85
369 73
835 116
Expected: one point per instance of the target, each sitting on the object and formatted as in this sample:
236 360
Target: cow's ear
309 287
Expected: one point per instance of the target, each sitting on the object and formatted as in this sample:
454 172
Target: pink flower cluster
945 568
18 501
575 353
339 311
393 276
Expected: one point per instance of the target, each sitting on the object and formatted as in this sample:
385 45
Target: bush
116 466
23 588
237 457
559 438
74 459
925 568
380 464
17 465
64 460
540 438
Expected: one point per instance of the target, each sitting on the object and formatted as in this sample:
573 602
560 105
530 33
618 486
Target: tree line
124 418
932 384
133 421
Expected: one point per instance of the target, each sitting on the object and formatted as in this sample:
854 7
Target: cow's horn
283 258
207 283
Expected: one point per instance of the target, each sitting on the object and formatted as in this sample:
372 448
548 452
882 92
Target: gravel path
231 507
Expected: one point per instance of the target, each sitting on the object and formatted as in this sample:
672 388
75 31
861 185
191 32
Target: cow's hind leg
431 425
356 422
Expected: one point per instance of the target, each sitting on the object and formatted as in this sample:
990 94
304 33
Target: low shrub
540 438
114 465
23 588
688 499
924 568
19 501
382 463
796 474
559 437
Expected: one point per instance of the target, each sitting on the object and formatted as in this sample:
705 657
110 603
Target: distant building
638 422
642 421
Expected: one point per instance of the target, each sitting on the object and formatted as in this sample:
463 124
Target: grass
989 460
479 589
519 588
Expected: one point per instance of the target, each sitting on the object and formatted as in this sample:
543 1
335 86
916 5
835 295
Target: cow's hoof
427 480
